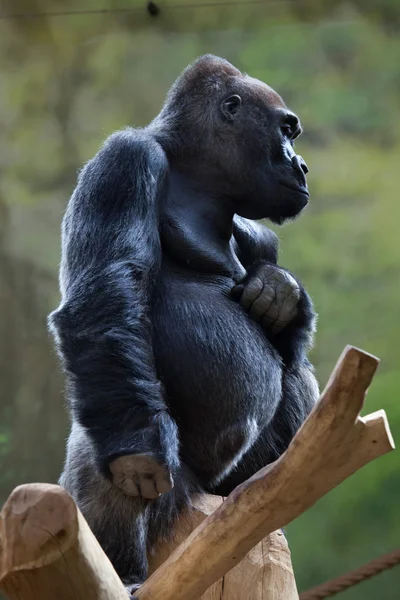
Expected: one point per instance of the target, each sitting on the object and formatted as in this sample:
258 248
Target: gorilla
183 342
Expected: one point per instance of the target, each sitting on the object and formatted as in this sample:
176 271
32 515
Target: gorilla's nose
299 164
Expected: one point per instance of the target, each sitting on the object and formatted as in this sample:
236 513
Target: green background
66 82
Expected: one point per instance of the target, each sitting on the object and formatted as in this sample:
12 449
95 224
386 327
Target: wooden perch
47 550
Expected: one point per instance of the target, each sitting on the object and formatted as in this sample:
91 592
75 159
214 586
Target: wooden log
333 443
47 551
265 573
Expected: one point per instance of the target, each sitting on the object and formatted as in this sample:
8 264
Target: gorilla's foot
131 589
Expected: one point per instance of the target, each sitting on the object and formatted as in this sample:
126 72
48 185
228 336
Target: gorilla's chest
209 354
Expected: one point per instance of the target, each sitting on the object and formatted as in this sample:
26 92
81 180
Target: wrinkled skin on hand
141 475
271 295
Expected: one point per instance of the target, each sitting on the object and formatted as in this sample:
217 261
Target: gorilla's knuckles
140 475
271 296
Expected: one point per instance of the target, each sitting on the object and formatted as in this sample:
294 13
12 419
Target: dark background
66 82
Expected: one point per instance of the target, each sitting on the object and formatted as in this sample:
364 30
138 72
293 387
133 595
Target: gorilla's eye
290 127
231 106
287 131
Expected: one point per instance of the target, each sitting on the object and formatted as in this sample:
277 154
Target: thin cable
108 11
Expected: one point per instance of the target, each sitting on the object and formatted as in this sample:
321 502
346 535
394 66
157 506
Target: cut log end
350 380
28 542
379 434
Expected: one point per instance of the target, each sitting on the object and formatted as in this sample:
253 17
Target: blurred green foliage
67 82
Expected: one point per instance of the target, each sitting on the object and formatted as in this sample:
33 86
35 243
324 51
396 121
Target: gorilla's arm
273 296
254 242
111 256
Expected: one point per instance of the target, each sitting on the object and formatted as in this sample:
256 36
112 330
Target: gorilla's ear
231 106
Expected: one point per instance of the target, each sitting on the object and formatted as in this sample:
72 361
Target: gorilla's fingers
263 303
285 308
141 475
148 487
288 296
251 292
164 482
272 313
127 484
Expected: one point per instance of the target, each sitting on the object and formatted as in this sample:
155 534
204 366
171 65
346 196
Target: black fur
160 359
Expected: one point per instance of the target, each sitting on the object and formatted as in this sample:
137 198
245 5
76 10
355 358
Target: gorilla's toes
132 588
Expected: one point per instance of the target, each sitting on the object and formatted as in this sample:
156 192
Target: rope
340 584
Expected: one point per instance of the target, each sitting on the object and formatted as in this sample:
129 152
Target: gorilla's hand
147 458
270 294
141 475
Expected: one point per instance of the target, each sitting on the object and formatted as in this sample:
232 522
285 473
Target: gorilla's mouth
296 188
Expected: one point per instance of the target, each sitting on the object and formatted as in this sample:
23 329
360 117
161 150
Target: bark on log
265 573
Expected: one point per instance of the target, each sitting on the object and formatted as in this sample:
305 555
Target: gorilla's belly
219 370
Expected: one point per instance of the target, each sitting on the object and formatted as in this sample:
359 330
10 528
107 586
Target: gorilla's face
269 178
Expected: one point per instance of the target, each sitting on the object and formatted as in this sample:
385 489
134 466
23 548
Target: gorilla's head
237 134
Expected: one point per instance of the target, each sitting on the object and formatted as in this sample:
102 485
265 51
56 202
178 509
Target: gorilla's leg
118 521
125 526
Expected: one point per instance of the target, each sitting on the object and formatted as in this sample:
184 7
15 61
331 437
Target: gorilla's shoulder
137 145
